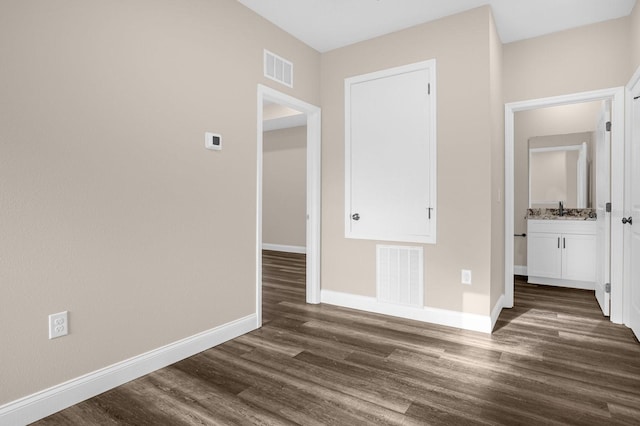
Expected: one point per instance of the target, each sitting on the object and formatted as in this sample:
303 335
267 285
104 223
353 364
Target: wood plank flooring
552 360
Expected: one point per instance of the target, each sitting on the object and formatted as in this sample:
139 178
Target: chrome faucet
560 208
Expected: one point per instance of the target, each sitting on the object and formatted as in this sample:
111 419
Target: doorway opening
307 115
616 97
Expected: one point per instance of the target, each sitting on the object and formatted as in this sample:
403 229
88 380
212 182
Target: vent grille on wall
399 275
278 69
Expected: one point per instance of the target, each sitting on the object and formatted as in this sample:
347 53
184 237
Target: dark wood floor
553 359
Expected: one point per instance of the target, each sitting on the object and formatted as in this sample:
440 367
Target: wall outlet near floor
58 324
466 276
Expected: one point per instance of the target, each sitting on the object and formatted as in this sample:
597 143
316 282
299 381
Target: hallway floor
553 359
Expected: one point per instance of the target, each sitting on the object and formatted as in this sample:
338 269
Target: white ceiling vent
278 69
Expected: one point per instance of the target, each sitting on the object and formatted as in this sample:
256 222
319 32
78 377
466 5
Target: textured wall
497 164
284 187
111 207
586 58
460 45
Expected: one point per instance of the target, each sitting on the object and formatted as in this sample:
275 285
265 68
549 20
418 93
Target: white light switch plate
466 276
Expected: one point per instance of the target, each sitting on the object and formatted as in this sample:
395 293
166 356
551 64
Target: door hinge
608 126
428 88
608 207
607 288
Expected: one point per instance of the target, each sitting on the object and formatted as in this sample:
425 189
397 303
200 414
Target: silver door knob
355 216
627 220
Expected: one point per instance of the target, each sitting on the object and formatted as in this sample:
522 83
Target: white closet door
603 196
634 315
390 158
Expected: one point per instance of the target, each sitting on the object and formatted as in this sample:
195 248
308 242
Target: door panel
634 316
603 196
389 158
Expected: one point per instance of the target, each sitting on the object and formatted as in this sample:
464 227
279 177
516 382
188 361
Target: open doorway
616 97
284 178
292 113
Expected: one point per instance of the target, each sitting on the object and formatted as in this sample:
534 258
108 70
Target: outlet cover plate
58 324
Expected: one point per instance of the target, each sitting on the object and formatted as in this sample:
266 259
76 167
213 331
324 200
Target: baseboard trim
520 270
495 312
44 403
285 248
580 285
473 322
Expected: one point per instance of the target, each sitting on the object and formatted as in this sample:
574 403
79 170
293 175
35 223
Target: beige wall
587 58
541 122
284 189
460 44
111 207
582 59
497 164
635 38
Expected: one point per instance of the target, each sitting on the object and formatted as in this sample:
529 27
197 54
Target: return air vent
399 275
278 69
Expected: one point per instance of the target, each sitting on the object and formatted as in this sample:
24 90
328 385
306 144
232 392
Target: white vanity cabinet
562 252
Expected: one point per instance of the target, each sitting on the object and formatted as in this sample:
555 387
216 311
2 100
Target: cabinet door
390 155
579 257
544 255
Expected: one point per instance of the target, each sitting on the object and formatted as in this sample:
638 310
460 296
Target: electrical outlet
466 276
58 325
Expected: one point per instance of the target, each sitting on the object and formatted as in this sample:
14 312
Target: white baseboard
41 404
520 270
495 312
288 249
474 322
581 285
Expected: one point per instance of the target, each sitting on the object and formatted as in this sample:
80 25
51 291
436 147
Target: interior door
634 316
603 196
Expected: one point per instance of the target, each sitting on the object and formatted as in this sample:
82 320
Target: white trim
473 322
44 403
287 122
314 153
495 312
520 270
284 248
616 95
557 282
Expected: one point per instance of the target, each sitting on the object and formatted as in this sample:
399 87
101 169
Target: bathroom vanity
561 251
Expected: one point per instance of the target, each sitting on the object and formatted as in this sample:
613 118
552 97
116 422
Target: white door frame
631 90
616 95
313 192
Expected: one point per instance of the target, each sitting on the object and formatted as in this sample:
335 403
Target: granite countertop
554 214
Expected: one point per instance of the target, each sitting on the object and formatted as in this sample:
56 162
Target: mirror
559 170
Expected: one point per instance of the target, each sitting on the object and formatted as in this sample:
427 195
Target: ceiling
329 24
